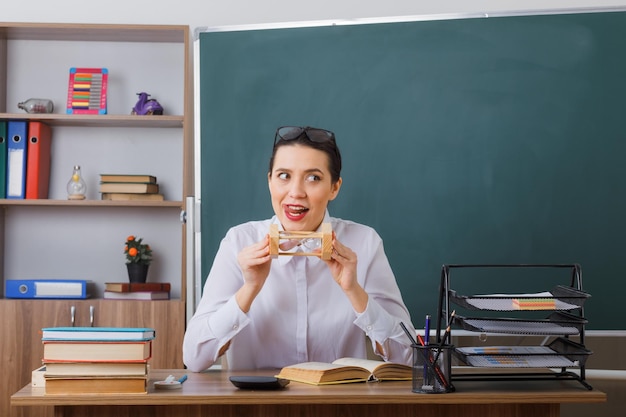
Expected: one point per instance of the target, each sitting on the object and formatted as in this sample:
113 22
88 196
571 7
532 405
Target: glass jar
36 105
76 187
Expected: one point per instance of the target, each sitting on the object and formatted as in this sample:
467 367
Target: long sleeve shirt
300 314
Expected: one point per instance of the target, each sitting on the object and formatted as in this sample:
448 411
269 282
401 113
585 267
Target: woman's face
300 187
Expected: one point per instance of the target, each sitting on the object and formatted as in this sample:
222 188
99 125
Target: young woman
269 313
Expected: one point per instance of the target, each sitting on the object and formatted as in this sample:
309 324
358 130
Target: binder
38 160
3 159
47 288
16 159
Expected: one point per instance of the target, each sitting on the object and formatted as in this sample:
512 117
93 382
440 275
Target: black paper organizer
561 321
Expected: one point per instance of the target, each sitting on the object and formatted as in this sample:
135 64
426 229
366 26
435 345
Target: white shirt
301 314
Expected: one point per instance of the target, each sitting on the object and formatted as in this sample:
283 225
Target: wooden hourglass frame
325 236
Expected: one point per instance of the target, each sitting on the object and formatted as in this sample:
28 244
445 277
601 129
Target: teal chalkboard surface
478 140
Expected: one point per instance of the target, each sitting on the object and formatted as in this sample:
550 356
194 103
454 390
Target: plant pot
137 272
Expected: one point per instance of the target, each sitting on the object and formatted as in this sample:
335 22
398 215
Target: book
38 160
98 333
129 187
128 178
534 303
345 370
95 369
96 351
132 197
137 295
38 377
137 286
99 385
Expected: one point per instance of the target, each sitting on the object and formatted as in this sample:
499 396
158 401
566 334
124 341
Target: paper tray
558 323
560 353
565 298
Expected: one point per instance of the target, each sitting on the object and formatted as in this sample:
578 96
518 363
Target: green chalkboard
478 140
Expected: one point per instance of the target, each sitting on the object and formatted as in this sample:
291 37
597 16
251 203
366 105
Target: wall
229 12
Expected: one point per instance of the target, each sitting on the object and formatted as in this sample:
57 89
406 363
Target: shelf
93 32
105 120
88 203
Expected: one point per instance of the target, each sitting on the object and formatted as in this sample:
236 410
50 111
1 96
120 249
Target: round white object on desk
167 385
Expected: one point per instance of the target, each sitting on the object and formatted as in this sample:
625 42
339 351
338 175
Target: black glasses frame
314 134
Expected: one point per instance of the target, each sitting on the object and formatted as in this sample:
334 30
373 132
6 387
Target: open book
345 370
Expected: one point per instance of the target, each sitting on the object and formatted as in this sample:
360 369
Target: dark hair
329 147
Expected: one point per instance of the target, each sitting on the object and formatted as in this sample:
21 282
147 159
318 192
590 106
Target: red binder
38 160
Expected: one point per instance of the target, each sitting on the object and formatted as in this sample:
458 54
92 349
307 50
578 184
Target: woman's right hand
254 261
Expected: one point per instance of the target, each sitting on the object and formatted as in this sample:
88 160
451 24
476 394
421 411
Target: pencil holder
432 369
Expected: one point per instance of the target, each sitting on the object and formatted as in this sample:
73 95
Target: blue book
117 334
16 159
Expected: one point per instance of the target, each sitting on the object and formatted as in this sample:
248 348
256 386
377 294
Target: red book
137 286
38 160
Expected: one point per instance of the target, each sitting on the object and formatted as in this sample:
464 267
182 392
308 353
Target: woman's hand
342 264
255 262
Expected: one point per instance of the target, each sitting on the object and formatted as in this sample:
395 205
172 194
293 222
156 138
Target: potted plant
138 258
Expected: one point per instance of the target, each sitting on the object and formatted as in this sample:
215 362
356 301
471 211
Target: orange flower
136 251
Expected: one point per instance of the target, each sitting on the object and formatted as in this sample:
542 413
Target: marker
182 378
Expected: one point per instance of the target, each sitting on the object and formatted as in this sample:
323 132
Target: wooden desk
211 393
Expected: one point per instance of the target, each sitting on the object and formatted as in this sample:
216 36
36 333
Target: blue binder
3 159
16 159
47 288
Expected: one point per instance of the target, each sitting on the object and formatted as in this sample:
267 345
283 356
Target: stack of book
125 187
96 360
137 290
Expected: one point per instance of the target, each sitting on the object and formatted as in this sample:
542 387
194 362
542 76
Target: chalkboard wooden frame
465 140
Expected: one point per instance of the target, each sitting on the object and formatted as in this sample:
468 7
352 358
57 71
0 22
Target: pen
445 336
426 342
182 378
408 333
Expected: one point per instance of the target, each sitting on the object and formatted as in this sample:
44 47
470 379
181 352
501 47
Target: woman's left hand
342 264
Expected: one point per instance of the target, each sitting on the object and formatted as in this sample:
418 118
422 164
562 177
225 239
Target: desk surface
214 388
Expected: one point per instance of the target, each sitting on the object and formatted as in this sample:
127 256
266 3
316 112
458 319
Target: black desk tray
564 350
560 353
565 298
558 323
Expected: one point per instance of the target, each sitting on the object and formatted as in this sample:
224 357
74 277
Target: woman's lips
295 212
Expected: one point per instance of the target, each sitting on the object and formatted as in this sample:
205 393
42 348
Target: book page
369 364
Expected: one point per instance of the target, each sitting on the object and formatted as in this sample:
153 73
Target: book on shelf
95 369
96 385
129 187
137 286
128 178
132 197
97 333
96 351
137 295
345 370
